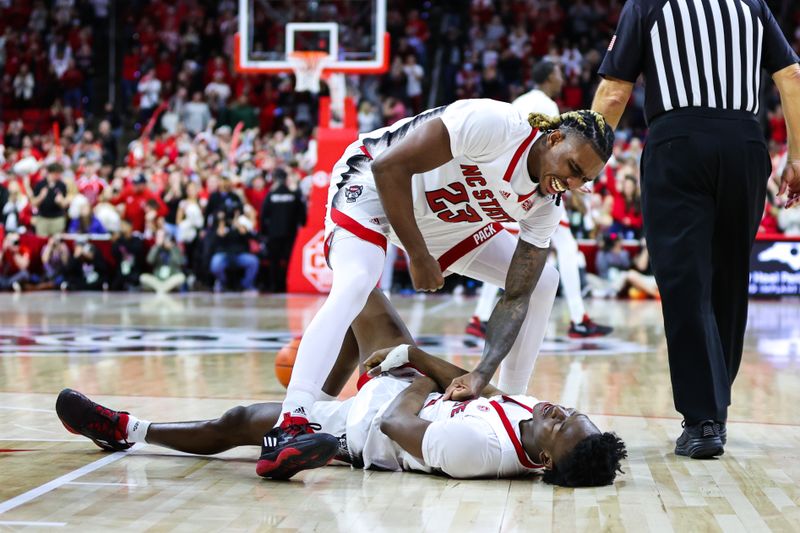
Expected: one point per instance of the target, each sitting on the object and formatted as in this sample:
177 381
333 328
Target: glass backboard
352 31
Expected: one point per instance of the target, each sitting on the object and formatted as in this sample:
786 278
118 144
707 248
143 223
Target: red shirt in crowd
769 224
165 70
135 202
9 266
131 64
91 187
255 197
630 216
777 126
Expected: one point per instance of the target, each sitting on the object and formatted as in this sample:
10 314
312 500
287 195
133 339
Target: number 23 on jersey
443 201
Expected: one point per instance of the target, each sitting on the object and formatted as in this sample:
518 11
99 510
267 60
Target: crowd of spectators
197 176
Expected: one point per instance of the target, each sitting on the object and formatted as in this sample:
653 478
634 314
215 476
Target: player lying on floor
396 421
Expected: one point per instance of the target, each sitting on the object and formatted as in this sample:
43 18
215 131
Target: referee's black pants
704 178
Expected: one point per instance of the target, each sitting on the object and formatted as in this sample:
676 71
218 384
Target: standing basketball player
439 185
549 80
704 179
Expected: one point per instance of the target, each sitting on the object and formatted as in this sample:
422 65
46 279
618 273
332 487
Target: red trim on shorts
515 159
521 455
365 151
354 227
562 223
467 245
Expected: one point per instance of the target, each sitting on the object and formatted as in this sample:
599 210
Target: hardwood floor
194 356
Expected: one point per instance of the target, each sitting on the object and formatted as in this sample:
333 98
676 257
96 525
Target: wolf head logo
353 192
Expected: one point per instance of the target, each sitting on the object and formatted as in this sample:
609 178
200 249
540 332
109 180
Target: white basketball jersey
491 448
487 180
477 438
536 101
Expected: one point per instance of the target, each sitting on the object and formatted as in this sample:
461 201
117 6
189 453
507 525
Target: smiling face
553 432
564 162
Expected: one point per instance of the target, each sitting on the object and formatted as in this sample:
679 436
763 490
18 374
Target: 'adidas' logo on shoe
270 441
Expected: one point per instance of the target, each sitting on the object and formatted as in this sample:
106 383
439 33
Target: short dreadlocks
590 124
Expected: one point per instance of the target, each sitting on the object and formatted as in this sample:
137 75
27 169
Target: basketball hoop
308 66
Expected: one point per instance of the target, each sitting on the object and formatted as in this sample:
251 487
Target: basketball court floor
194 356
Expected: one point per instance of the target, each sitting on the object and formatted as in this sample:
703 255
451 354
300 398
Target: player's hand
465 387
426 274
790 183
386 359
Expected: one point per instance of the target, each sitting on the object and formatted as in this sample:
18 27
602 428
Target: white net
308 67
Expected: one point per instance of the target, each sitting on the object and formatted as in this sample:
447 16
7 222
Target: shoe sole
304 455
701 448
589 336
97 442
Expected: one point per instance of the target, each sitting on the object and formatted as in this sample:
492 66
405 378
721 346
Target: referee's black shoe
723 432
699 441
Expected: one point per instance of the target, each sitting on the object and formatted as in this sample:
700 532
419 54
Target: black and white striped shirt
697 53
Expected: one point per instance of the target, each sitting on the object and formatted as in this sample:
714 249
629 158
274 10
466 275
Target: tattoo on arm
509 313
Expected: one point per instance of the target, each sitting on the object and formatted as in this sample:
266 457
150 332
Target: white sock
297 403
325 397
137 429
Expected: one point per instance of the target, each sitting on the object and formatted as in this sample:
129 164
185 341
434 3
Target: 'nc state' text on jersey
486 200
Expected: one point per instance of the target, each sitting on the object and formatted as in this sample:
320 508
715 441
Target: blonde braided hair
590 124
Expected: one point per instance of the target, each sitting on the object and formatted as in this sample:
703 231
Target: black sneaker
293 447
723 432
699 441
105 427
588 328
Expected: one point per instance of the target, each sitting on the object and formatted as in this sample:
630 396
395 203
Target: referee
704 175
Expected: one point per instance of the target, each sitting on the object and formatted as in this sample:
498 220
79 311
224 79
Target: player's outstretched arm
424 149
439 370
610 99
506 320
401 422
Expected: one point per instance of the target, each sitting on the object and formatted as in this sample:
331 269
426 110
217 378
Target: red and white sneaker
105 427
587 328
293 446
476 328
